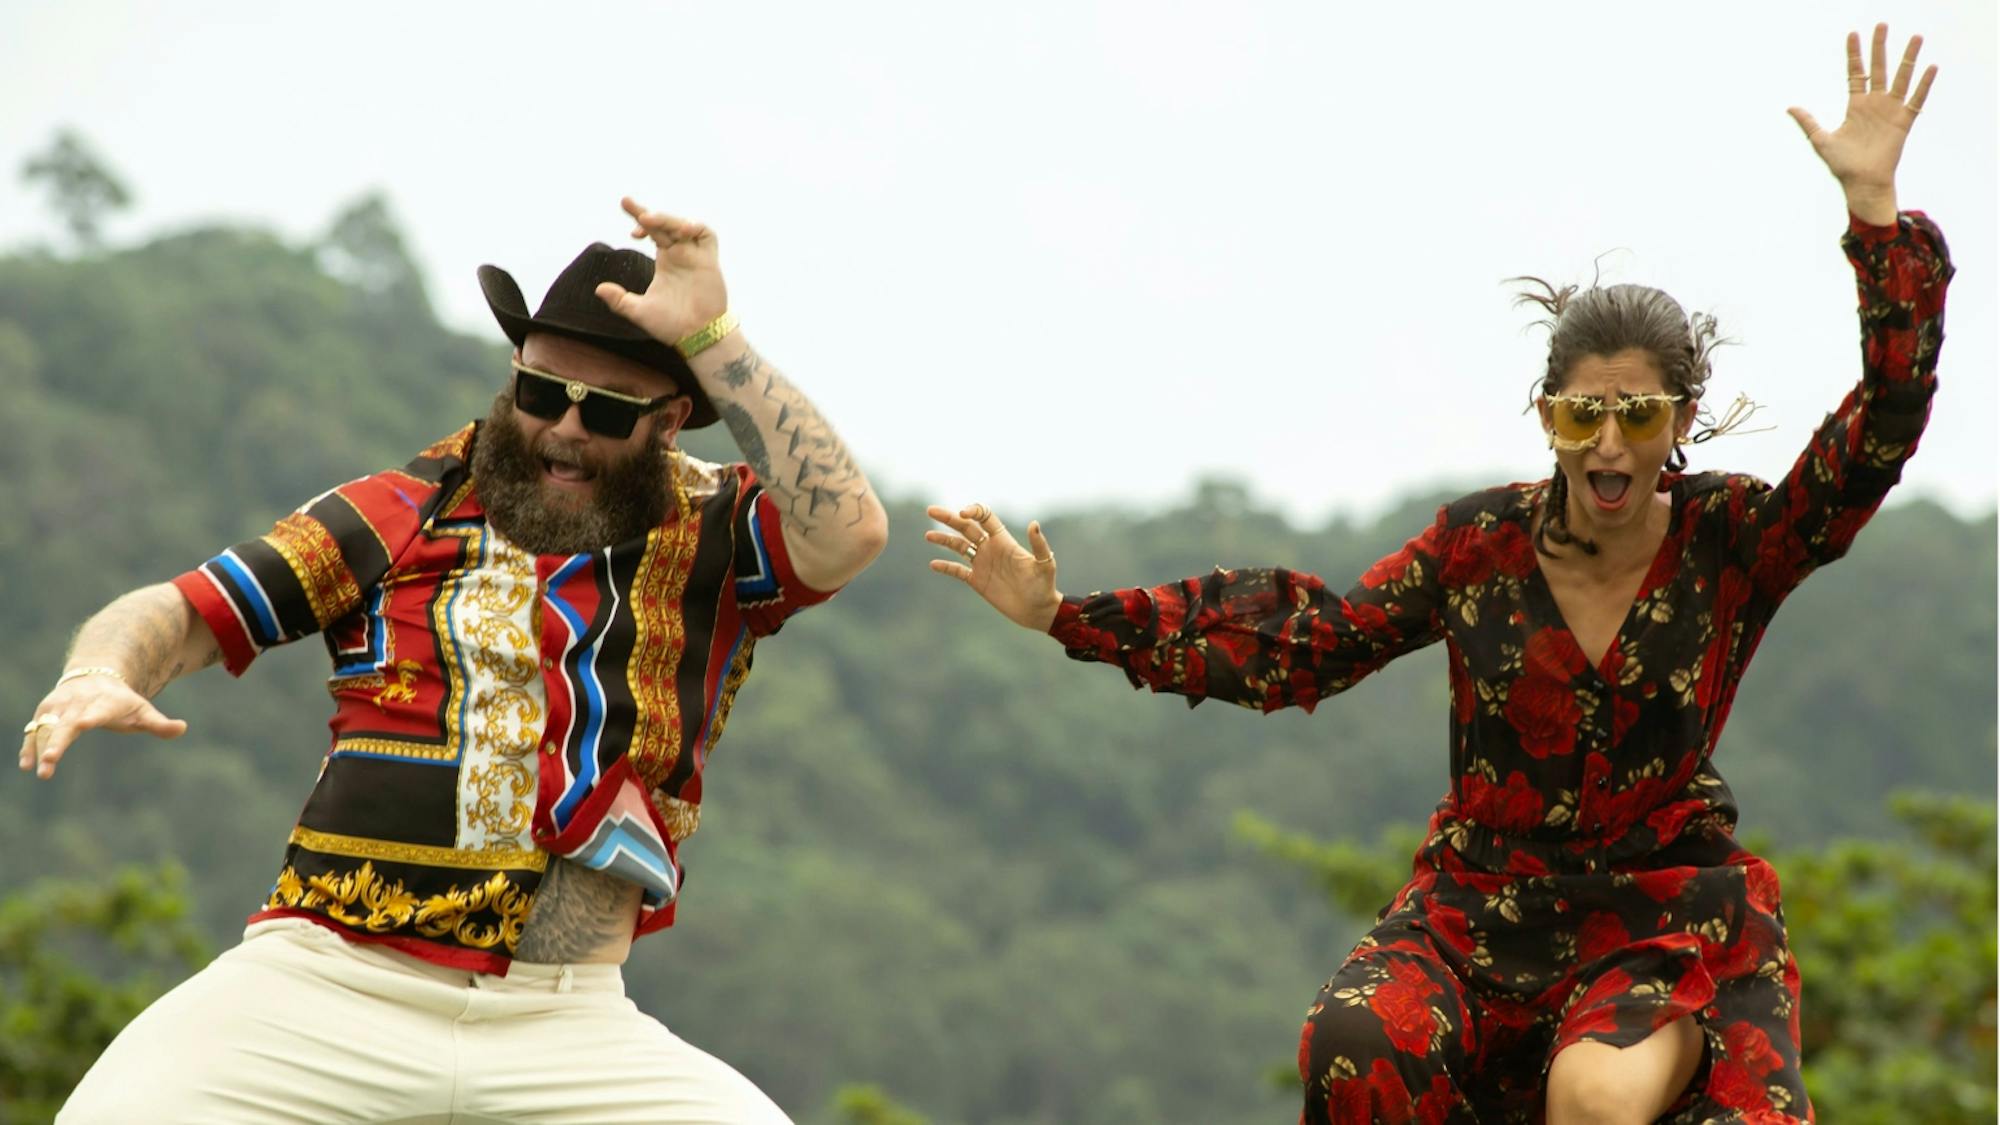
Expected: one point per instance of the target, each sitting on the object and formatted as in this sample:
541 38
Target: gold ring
38 722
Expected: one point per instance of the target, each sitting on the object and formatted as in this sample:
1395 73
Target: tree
82 189
79 959
869 1105
1895 941
364 247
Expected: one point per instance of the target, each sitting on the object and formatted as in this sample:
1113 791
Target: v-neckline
1552 609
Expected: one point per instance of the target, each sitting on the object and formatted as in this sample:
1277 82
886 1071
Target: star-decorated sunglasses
1577 419
606 413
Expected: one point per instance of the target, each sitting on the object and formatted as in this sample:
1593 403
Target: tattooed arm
150 637
580 917
834 525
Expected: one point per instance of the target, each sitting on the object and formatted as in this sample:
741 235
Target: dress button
548 747
1602 782
548 663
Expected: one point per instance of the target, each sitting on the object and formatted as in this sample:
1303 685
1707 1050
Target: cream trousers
297 1024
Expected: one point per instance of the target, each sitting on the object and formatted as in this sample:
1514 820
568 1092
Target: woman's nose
1610 441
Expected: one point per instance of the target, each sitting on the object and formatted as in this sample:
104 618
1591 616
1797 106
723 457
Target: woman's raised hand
1863 152
1018 581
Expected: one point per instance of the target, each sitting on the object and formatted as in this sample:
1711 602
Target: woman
1582 937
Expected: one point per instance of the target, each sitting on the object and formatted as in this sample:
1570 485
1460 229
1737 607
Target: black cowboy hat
571 308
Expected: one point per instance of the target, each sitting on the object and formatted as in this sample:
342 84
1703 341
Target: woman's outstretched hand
1018 581
1862 154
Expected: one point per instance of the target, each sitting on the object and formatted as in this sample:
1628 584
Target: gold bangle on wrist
706 337
92 670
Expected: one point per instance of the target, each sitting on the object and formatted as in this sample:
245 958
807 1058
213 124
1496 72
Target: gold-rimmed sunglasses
548 396
1576 420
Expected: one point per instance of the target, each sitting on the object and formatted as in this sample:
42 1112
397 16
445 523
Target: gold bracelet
93 670
707 336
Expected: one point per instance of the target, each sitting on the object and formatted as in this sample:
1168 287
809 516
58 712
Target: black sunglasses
605 413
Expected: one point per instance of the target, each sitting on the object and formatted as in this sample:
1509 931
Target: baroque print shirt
494 708
1583 854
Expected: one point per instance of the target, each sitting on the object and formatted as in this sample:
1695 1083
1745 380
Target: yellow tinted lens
1577 419
1641 421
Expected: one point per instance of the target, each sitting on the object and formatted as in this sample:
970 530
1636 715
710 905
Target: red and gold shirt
1585 825
493 707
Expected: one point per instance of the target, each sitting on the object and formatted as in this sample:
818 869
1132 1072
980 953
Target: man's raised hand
686 292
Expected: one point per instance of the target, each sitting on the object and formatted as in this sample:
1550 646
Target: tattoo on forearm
737 372
577 911
142 634
207 660
749 438
804 465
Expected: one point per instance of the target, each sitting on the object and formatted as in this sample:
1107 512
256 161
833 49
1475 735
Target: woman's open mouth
1609 489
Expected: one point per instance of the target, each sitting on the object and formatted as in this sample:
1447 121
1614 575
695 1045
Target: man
537 628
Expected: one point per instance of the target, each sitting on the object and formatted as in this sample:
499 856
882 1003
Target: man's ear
669 419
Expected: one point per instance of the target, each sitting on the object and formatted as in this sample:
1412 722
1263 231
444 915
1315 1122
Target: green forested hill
936 855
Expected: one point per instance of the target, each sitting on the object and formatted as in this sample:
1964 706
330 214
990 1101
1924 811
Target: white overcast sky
1048 253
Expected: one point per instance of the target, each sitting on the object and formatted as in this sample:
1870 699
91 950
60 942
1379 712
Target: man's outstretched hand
90 702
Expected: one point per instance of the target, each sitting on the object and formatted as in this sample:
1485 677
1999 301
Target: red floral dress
1580 879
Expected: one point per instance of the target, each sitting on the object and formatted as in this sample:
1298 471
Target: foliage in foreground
78 959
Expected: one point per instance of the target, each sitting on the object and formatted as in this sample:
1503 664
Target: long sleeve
1266 638
1857 455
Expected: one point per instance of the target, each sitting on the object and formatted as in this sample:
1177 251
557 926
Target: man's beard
630 496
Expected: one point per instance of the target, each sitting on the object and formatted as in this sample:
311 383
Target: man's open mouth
570 472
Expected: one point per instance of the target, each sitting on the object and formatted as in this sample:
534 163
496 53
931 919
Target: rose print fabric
1580 879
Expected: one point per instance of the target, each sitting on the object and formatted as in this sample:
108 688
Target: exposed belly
580 917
